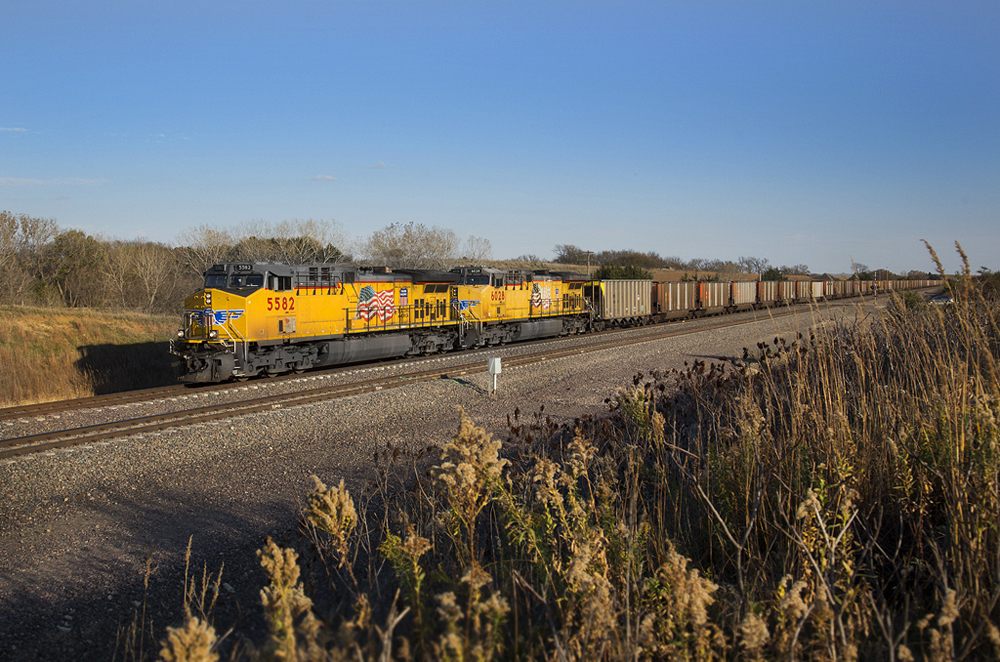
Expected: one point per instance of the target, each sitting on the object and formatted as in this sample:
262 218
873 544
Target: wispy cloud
13 128
62 181
323 178
379 165
164 137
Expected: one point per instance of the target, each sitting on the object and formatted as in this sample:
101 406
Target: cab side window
279 283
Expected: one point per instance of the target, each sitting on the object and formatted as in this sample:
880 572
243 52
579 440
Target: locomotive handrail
463 322
233 331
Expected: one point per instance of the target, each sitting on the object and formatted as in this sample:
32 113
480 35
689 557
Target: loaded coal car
624 302
713 298
674 300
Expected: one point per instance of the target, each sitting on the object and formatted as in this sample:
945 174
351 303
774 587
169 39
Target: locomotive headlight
180 333
208 297
213 334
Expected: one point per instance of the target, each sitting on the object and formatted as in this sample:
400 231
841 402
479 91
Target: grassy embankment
833 499
54 354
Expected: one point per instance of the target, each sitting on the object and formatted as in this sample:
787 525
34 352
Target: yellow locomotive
253 318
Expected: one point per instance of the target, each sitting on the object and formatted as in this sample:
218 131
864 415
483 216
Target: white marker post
493 368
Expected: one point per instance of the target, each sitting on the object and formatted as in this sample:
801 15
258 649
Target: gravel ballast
82 529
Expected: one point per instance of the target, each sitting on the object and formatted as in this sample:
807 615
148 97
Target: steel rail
110 399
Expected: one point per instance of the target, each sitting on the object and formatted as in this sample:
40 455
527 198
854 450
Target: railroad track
180 390
53 440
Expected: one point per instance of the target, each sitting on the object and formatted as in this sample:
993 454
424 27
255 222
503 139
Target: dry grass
53 354
836 498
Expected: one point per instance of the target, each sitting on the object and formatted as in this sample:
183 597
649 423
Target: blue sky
812 133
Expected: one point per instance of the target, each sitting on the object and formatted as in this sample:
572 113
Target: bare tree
570 254
13 281
412 246
314 242
156 275
477 250
8 234
68 266
754 265
116 271
698 264
34 235
673 262
31 238
291 242
204 246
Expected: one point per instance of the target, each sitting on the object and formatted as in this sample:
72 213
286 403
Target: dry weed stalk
466 478
331 510
195 640
295 633
192 642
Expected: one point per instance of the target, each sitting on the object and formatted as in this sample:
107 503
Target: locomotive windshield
234 281
477 280
216 280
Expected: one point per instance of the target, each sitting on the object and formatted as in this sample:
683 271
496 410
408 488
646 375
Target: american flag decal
540 299
375 304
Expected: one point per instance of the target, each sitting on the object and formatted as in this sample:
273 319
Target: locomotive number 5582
286 304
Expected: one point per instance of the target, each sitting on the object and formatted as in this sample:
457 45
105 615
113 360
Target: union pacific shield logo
209 316
222 316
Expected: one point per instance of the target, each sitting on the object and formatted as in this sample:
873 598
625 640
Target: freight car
256 318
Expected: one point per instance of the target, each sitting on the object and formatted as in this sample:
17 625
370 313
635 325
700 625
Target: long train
257 318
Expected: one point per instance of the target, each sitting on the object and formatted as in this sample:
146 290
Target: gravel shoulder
91 536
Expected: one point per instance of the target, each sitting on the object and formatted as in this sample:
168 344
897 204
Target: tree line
571 254
45 265
634 262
